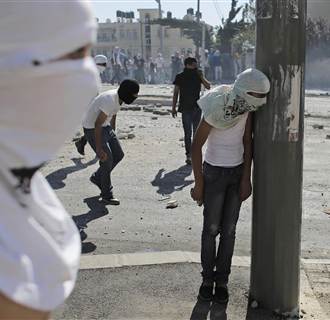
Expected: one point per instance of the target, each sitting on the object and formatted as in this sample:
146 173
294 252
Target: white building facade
140 37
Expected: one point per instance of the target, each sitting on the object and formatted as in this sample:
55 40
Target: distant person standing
217 66
176 64
187 88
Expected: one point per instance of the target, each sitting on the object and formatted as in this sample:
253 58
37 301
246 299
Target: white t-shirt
225 146
108 102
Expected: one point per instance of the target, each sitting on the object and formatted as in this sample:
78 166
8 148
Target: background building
139 36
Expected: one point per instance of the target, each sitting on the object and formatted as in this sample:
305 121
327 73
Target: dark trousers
112 147
221 211
190 122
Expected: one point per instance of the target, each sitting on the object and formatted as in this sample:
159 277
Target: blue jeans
112 147
221 211
190 122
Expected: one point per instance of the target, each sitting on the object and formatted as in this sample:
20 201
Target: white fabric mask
41 107
100 68
224 106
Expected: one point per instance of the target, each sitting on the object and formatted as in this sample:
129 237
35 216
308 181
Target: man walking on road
188 87
224 180
99 129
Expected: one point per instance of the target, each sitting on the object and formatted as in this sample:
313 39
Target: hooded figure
224 106
46 84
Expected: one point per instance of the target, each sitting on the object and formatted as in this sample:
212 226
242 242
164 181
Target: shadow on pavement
88 247
56 178
172 181
97 210
203 308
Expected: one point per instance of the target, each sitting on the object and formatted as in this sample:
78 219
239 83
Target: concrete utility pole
198 21
278 156
161 34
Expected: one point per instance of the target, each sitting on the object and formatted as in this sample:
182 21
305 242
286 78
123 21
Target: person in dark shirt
187 88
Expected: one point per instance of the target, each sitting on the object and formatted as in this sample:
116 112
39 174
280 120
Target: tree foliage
191 29
318 38
232 28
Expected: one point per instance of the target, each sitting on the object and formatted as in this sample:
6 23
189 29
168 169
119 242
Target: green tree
230 28
191 29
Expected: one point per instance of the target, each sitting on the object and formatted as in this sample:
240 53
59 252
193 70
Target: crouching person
99 129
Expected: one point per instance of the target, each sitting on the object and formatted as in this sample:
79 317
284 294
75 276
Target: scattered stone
168 236
142 126
131 136
134 108
161 112
136 233
141 218
132 126
165 198
307 114
328 137
148 109
254 304
158 105
172 204
303 311
181 139
105 233
123 231
318 126
154 118
189 228
327 211
162 234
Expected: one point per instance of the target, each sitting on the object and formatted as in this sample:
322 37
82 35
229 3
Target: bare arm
102 117
199 140
245 187
175 100
205 82
113 122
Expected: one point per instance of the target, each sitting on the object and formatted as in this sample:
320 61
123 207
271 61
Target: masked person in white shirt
47 80
99 128
223 181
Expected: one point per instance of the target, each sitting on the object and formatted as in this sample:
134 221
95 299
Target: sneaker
205 292
188 160
221 294
110 200
80 146
93 180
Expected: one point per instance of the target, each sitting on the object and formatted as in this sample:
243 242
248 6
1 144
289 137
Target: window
122 34
148 29
147 18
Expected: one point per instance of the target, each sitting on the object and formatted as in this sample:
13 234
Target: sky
212 10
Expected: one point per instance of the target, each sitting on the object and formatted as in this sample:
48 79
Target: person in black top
187 88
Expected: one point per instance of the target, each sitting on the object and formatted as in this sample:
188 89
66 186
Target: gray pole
161 36
278 156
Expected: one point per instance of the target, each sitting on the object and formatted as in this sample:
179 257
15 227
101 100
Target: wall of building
140 37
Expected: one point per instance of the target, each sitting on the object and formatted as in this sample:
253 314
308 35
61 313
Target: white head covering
43 30
100 59
224 105
42 103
